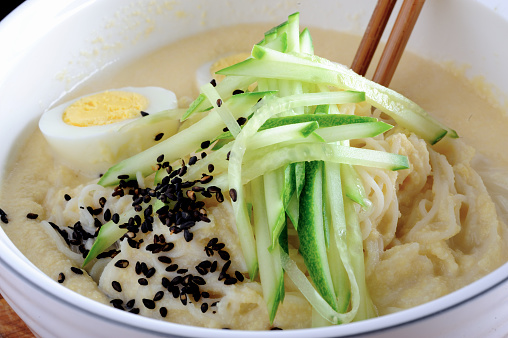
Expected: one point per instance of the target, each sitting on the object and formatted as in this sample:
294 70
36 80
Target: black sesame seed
144 113
163 311
117 303
67 197
205 294
187 235
115 218
61 277
150 272
230 281
102 201
142 281
183 298
238 91
203 155
31 215
241 121
204 307
182 271
213 268
122 263
233 194
130 303
219 197
159 136
219 102
4 218
160 158
123 177
193 160
77 271
164 259
107 215
204 145
275 328
213 82
148 303
116 285
198 280
158 296
135 311
172 267
223 254
239 276
206 179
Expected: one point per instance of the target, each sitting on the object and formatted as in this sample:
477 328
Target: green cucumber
180 144
227 117
311 234
353 131
270 269
309 68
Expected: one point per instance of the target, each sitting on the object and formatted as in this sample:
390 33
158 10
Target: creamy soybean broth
452 99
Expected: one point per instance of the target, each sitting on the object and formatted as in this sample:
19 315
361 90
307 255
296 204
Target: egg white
92 150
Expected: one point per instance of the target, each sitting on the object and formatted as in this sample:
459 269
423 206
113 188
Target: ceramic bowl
50 47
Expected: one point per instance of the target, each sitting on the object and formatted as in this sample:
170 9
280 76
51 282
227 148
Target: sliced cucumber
311 234
309 68
180 144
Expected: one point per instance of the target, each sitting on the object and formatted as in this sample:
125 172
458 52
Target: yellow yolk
226 62
104 108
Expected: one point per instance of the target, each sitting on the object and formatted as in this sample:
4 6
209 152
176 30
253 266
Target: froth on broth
441 268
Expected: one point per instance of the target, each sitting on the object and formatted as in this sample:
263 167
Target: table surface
11 326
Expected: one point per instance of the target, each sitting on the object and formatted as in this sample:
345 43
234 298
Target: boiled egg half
88 134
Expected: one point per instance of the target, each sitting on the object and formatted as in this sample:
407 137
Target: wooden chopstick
372 35
399 36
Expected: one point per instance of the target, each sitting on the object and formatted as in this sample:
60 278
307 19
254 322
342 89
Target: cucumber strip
306 44
355 248
229 120
181 143
353 186
301 67
270 271
274 186
109 233
263 160
344 278
353 131
324 121
154 118
311 234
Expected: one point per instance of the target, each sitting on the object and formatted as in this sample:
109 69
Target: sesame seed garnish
158 296
115 218
182 271
230 281
172 267
67 197
130 303
213 82
204 145
160 158
219 102
193 160
61 277
122 263
31 215
116 286
163 311
204 307
135 311
144 113
3 217
123 177
143 281
187 235
233 194
210 168
164 259
239 276
159 136
241 121
183 298
150 272
77 271
223 254
238 91
203 154
148 303
117 303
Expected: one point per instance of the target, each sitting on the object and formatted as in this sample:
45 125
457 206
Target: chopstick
372 35
399 36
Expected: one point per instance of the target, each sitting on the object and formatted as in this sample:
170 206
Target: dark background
7 6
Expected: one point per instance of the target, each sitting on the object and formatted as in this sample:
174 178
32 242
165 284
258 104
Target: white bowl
42 38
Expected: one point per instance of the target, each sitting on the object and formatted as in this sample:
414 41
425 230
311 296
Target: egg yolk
226 62
104 108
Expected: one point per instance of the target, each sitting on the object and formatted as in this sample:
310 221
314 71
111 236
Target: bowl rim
15 265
